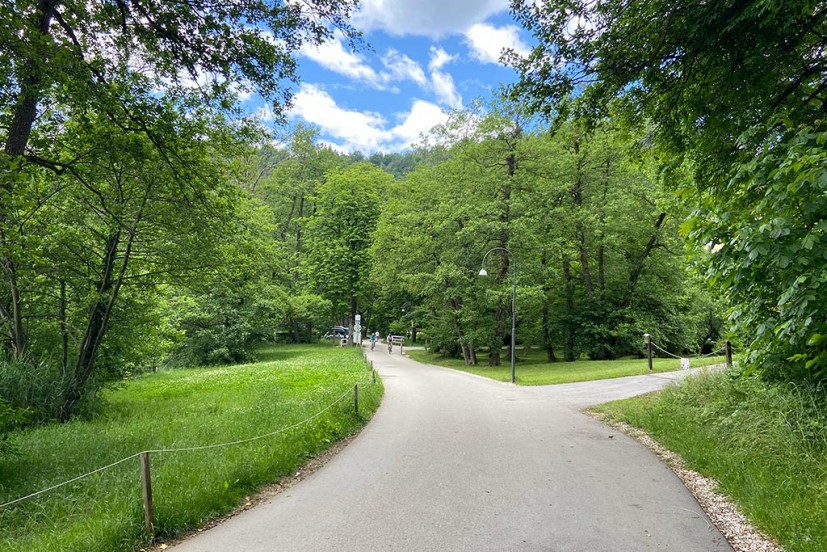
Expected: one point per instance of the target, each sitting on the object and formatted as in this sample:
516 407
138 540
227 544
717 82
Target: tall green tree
158 80
734 92
581 209
339 235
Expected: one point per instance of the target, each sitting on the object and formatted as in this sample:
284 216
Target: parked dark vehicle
336 332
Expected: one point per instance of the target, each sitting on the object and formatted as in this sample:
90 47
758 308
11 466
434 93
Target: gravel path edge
726 516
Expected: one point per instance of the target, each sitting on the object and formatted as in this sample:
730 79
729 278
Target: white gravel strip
734 525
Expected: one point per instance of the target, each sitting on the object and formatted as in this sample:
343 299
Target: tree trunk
64 330
17 139
547 344
568 330
100 313
96 325
637 265
601 234
353 306
584 262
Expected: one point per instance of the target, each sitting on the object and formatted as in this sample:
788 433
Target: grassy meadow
532 367
765 443
179 409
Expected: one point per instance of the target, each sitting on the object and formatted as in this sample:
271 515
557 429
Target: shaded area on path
453 461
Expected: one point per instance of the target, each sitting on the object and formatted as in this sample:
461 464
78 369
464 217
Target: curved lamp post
483 272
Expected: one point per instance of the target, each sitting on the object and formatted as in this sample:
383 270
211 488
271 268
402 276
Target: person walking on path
373 337
390 343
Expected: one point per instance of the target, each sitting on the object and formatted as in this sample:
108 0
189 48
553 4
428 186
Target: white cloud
359 130
421 119
349 130
401 67
488 42
439 58
433 18
332 56
445 90
265 114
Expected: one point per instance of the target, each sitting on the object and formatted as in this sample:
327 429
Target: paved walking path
452 461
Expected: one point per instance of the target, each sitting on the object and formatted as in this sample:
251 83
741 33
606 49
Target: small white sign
684 363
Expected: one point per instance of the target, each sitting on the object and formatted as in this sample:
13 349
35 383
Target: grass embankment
766 445
533 368
175 409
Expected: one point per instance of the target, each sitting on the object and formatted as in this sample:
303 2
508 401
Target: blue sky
426 58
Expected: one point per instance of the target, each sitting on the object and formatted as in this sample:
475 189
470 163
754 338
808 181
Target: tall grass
532 368
179 409
766 444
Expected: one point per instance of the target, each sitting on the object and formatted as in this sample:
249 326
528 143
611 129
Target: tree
340 233
120 218
582 210
734 92
158 79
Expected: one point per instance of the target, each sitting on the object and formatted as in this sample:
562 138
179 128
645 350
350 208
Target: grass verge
179 409
532 368
765 444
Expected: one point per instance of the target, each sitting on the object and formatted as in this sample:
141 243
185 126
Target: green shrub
31 389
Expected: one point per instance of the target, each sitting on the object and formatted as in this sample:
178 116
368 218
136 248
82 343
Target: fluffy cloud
439 59
433 18
487 42
361 130
442 83
401 67
422 118
445 90
364 131
332 56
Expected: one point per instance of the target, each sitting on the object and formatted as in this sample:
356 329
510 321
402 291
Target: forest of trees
141 229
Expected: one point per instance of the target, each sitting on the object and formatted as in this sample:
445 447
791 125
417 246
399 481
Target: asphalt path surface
453 461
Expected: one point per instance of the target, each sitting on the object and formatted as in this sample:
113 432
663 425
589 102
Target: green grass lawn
179 409
766 445
532 368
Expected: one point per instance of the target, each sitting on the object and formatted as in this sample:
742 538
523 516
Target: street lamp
483 272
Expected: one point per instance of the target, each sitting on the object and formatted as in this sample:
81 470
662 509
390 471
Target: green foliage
765 444
770 253
115 176
30 390
340 233
307 315
732 95
179 409
587 218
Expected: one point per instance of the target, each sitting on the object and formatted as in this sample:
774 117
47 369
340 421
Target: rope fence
146 483
726 350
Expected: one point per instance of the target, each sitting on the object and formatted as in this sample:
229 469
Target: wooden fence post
648 338
146 487
356 397
728 352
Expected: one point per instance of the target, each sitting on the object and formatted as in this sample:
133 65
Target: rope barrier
187 449
664 351
78 478
719 352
